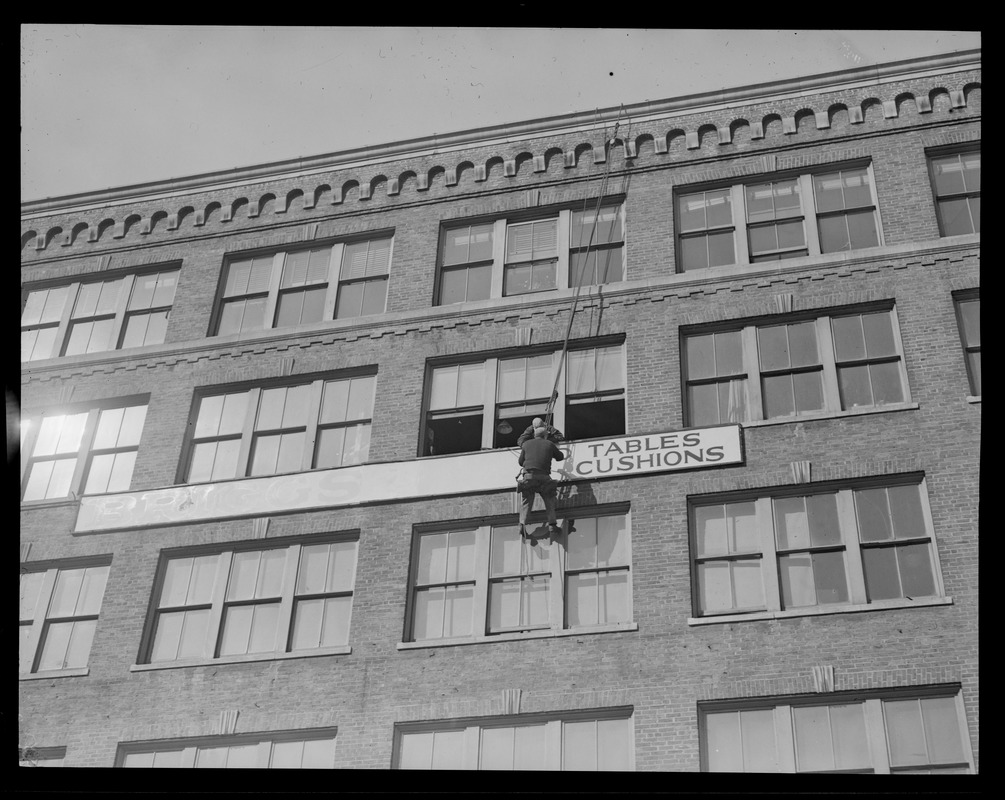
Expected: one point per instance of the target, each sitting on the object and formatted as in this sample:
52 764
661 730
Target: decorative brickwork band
523 335
228 722
783 303
511 701
800 471
823 679
286 366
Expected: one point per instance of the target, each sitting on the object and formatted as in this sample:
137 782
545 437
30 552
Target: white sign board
438 476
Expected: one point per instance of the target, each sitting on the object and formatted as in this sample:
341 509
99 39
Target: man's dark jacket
537 455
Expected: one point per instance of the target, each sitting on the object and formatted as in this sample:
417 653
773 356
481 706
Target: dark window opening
454 434
589 418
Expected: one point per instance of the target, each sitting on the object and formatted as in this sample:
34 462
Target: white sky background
114 105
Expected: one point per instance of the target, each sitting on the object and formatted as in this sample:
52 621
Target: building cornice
505 133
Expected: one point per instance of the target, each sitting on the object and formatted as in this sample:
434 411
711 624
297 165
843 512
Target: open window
488 403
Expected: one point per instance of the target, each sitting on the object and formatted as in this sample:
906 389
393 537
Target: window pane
905 732
443 612
29 588
693 253
862 231
350 300
773 347
582 600
748 585
700 357
873 510
914 561
778 397
856 387
374 297
905 507
834 236
728 353
720 250
970 315
78 648
942 730
715 587
956 219
710 530
808 391
886 383
882 579
722 742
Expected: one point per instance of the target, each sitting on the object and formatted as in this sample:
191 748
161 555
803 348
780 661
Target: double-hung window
505 257
921 730
292 750
59 608
801 366
956 180
290 597
587 741
85 451
805 553
96 316
785 217
968 314
266 430
480 581
487 404
303 286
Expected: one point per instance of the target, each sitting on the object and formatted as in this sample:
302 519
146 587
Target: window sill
882 605
974 399
76 672
53 503
515 637
212 662
852 412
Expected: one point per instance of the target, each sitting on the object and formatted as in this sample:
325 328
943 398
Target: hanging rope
608 143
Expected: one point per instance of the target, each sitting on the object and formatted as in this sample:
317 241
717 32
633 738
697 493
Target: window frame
851 546
491 405
828 363
38 626
120 314
85 452
873 702
313 426
959 298
190 746
218 601
931 156
741 225
500 262
557 573
332 284
553 723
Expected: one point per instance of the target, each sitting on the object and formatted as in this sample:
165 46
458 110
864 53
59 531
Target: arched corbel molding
805 121
103 226
183 214
644 145
346 193
80 230
838 115
464 170
708 137
939 99
403 181
494 163
552 156
872 110
972 96
267 202
739 131
288 201
51 234
131 222
317 196
771 125
27 238
234 210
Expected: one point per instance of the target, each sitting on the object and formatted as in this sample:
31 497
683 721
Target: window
301 287
833 547
489 403
59 609
267 430
95 316
968 314
586 741
507 257
956 178
917 731
297 750
287 598
802 366
770 220
88 451
483 580
41 756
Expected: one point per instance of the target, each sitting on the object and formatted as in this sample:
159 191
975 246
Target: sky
114 105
